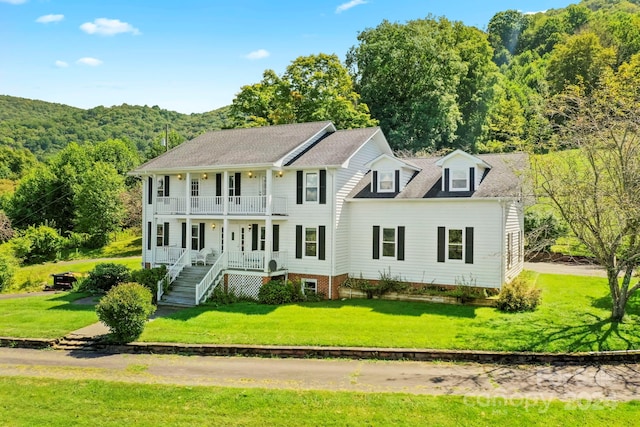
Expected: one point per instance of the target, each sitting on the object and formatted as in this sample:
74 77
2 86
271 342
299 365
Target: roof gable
386 159
464 155
238 147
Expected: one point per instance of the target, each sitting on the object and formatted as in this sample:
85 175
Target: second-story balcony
215 205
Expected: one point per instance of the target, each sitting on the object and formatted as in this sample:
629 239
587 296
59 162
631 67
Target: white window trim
304 288
451 179
395 243
379 189
304 243
317 187
160 235
464 238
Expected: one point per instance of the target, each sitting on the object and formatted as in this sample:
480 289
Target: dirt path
590 384
565 268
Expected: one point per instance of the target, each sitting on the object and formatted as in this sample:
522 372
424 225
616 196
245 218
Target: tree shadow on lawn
72 302
594 334
398 308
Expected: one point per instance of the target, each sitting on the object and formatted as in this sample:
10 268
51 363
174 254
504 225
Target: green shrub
38 244
105 276
519 295
221 296
149 278
7 269
277 292
125 309
542 229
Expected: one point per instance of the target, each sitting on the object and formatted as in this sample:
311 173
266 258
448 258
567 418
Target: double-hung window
386 181
459 180
310 242
311 187
310 286
455 244
389 242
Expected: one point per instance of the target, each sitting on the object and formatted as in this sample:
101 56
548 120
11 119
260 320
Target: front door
238 240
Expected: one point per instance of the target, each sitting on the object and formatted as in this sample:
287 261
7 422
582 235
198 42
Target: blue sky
189 56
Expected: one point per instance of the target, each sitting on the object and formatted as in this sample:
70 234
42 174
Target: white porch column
225 235
188 240
268 225
154 198
188 193
225 194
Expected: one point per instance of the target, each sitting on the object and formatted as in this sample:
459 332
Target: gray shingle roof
502 180
335 149
264 145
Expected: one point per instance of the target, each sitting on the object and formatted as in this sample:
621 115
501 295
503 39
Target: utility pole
166 137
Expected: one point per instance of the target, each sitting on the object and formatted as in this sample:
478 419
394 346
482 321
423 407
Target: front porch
254 261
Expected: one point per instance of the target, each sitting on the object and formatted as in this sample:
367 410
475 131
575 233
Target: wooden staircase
183 289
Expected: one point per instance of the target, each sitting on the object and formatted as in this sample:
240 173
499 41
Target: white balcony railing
168 254
171 205
254 260
237 205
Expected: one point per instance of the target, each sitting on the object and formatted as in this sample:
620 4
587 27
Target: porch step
76 343
183 289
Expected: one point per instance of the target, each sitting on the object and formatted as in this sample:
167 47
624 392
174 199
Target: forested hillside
45 128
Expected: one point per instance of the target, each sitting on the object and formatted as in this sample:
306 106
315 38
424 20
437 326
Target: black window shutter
149 235
254 236
321 239
150 190
184 235
298 241
376 242
238 181
401 243
201 239
299 187
276 238
166 234
446 179
397 181
442 247
374 182
166 186
472 179
323 187
468 246
218 184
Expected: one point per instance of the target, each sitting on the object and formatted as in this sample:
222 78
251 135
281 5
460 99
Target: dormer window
386 181
459 180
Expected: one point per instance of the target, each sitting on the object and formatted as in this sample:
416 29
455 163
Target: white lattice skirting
242 285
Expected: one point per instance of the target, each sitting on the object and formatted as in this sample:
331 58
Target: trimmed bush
7 269
149 278
277 292
105 276
38 244
519 295
125 309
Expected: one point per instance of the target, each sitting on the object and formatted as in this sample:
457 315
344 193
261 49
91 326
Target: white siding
346 180
513 227
421 220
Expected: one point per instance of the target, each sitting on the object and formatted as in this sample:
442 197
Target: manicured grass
32 277
573 316
125 244
50 316
38 401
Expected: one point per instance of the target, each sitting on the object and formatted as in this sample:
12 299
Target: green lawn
31 278
39 401
572 317
50 316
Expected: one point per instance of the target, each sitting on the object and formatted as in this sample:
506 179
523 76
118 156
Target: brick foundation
323 282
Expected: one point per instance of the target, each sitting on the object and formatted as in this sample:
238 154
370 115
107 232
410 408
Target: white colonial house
309 202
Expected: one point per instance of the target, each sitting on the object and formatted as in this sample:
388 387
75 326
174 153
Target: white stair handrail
173 272
210 280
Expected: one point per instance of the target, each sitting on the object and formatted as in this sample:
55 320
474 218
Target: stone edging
37 343
408 354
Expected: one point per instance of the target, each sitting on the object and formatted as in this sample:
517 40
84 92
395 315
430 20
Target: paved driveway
566 268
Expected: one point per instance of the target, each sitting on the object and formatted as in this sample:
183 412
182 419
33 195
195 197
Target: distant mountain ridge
45 127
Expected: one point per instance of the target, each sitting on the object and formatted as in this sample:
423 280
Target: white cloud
61 64
13 1
92 62
349 5
50 18
108 27
533 13
258 54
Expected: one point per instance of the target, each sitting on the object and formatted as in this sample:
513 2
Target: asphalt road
478 381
